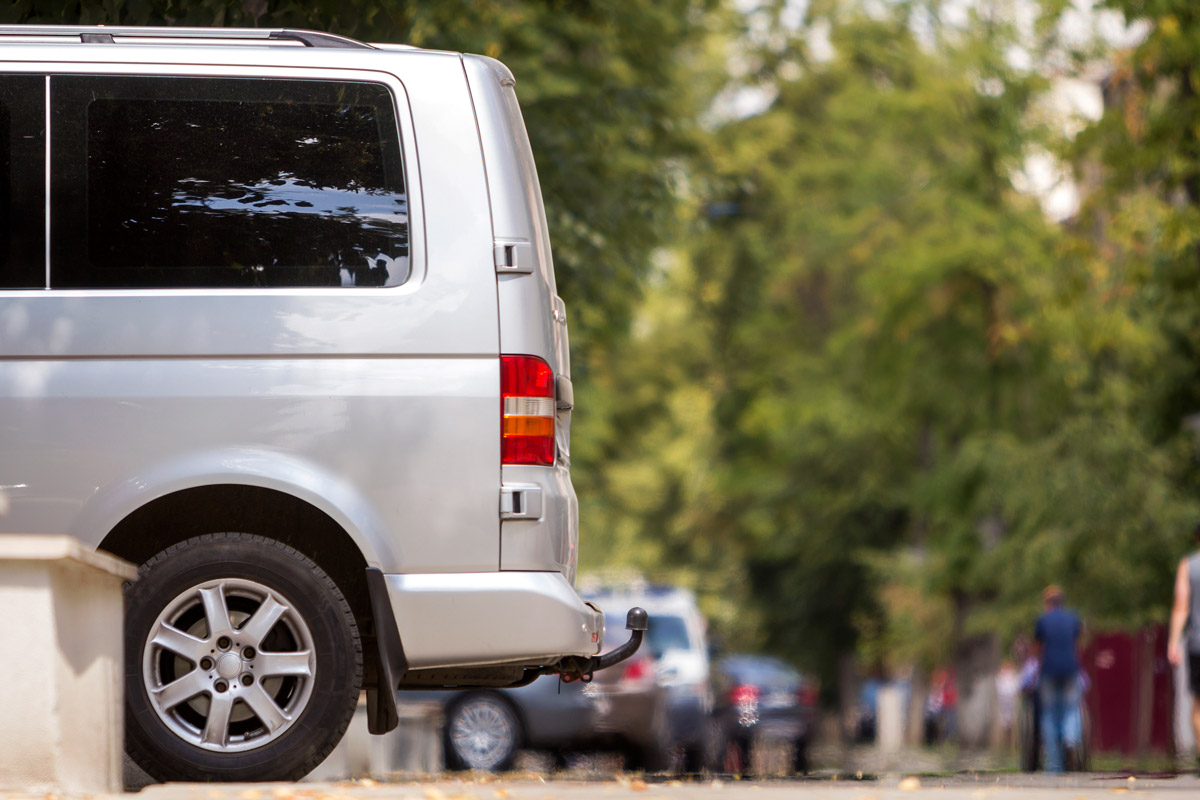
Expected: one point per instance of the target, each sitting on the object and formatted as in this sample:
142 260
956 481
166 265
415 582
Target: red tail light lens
744 695
526 411
808 696
637 670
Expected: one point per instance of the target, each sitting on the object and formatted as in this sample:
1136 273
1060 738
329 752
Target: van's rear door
542 532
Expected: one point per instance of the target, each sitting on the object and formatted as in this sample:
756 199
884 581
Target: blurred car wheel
1028 736
801 756
482 732
654 756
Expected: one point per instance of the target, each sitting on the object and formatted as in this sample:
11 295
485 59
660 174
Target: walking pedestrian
1057 634
1008 690
1185 621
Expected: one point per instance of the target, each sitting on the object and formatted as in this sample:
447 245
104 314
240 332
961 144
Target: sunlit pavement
530 786
887 787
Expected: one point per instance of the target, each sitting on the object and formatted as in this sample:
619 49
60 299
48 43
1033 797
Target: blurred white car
678 640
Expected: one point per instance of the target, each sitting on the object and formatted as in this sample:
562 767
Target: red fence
1132 694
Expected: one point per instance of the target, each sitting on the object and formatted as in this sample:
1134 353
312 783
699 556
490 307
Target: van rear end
540 516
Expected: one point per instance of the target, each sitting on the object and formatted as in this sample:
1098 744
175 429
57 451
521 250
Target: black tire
653 756
693 760
482 732
1029 734
800 756
330 690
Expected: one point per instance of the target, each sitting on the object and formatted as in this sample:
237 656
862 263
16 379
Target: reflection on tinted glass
666 634
759 670
22 182
274 191
5 183
663 635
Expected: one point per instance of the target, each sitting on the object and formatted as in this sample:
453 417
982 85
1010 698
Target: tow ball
581 669
575 668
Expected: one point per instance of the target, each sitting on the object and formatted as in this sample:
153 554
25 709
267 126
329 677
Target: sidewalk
526 786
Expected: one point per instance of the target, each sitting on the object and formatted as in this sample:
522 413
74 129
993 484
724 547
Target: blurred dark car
760 698
623 707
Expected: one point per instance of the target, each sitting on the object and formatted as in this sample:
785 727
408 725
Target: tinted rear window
664 634
206 182
22 181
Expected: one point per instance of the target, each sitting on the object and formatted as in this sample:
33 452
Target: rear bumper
490 618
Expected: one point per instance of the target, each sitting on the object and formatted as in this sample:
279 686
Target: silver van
278 323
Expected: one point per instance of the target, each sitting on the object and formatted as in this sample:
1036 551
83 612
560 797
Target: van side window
215 182
22 181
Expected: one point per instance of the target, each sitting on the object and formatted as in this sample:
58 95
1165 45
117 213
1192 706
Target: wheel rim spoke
181 690
264 707
210 691
277 664
482 733
216 727
264 619
216 611
175 640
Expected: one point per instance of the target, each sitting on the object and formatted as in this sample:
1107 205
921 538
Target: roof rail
105 34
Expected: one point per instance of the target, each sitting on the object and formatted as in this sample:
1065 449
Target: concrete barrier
414 748
61 674
889 720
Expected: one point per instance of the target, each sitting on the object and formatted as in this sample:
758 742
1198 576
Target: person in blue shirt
1057 633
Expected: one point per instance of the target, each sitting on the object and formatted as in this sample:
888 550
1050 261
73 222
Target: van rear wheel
242 662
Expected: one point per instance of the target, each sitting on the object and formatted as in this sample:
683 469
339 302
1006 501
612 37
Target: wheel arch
219 508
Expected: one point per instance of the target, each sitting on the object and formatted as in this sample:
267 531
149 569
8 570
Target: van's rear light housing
526 411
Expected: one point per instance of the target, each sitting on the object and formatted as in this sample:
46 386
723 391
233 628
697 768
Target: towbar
636 622
575 668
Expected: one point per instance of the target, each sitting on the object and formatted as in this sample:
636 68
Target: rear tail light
808 696
638 669
526 411
744 700
744 696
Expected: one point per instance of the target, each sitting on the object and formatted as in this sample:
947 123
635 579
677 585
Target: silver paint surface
378 406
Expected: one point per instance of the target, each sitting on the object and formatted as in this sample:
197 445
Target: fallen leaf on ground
909 784
717 785
638 785
500 794
250 794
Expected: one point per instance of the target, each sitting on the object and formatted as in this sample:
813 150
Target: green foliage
909 399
